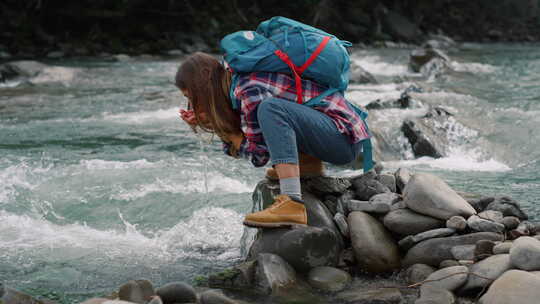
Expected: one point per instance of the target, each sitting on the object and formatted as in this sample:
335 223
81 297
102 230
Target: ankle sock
291 187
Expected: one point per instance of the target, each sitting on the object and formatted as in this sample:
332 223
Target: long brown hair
207 84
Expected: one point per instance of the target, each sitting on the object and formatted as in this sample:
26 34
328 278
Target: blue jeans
289 128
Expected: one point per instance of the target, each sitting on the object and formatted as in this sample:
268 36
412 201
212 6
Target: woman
270 125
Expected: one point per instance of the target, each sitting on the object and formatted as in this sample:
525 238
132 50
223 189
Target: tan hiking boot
310 166
284 212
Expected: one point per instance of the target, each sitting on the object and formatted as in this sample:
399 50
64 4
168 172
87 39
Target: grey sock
291 187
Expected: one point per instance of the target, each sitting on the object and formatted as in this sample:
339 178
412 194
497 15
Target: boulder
463 252
374 248
213 296
457 222
381 295
510 222
367 186
136 291
387 198
514 286
434 251
273 274
403 175
389 180
479 224
525 253
354 205
358 75
12 296
449 278
428 194
323 185
502 248
418 273
411 240
491 215
491 267
238 277
328 278
421 56
434 68
448 263
435 295
155 300
407 222
177 292
483 249
507 206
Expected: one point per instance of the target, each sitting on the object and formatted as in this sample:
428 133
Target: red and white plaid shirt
253 88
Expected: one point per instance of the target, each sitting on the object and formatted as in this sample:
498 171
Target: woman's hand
235 141
189 117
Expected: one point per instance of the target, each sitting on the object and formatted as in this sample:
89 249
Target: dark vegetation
33 28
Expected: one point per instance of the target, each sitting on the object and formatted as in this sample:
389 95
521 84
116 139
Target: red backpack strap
314 55
298 81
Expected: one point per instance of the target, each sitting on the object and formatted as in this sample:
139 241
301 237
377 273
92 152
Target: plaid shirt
253 88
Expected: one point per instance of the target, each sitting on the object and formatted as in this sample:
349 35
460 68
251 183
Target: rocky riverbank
378 237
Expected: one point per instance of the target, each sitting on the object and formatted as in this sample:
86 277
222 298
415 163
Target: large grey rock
136 291
328 278
502 248
238 277
434 251
411 240
435 295
449 278
374 248
388 198
428 194
177 292
407 222
491 267
381 295
510 222
420 57
418 273
24 68
355 205
479 224
358 75
273 274
491 215
367 186
515 287
389 180
507 206
303 248
457 222
341 222
525 253
463 252
215 297
403 175
323 185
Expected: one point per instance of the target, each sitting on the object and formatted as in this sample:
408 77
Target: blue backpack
287 46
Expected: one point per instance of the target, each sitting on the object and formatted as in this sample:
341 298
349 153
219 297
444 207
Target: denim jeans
289 128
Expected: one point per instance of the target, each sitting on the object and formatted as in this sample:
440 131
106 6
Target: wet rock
375 249
354 205
388 198
418 135
403 175
422 56
491 267
479 224
428 194
434 251
341 222
514 286
435 295
407 222
507 206
525 253
136 291
463 252
367 186
434 68
510 222
457 222
328 278
358 75
273 273
382 295
240 276
502 248
483 249
411 240
214 297
389 180
448 263
491 215
323 185
177 292
418 273
449 278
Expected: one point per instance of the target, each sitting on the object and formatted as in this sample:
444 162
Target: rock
214 297
463 252
406 243
303 248
514 286
387 198
510 222
12 296
400 27
15 69
507 206
502 248
491 215
155 300
525 253
417 135
328 278
435 295
449 278
428 194
382 295
435 233
238 277
483 249
434 68
491 267
341 222
374 248
177 292
403 175
448 263
418 273
323 185
367 186
434 251
136 291
457 222
354 205
389 180
420 57
478 224
273 274
407 222
358 75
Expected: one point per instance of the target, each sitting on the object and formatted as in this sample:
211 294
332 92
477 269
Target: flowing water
101 182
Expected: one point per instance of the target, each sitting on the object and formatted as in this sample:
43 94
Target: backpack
286 46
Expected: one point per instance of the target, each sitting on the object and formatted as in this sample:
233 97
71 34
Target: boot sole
273 225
